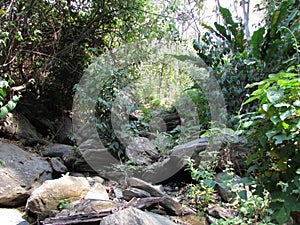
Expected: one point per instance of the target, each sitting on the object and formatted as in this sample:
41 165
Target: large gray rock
12 217
18 127
21 173
163 170
142 152
65 152
49 195
136 217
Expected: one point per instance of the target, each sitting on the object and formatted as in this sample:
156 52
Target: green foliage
274 130
250 208
53 41
202 193
2 163
238 62
64 204
7 101
113 84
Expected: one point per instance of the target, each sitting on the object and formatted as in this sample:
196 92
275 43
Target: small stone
118 192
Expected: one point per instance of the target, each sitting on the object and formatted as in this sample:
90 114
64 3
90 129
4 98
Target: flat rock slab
21 173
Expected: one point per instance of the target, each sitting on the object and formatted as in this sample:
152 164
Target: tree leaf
280 138
3 112
11 105
297 181
3 12
286 114
297 103
257 40
232 26
282 215
275 95
243 194
222 31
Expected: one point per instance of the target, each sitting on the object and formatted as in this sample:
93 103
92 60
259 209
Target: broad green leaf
282 215
254 84
275 95
11 105
271 133
280 138
258 92
251 99
279 105
232 26
210 183
285 125
286 114
2 92
257 40
208 27
3 12
265 107
243 194
247 124
297 181
297 103
275 119
222 31
3 112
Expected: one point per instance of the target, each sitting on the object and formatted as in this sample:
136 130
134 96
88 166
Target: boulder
48 196
12 217
21 173
65 152
137 217
162 170
141 151
18 127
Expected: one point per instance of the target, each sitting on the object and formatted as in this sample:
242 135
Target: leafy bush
203 193
8 101
238 62
275 132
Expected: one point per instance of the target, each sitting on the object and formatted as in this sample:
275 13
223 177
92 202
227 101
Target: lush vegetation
260 81
46 47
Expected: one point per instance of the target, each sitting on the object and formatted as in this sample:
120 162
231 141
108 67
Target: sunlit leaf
11 105
3 12
275 95
286 114
3 112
